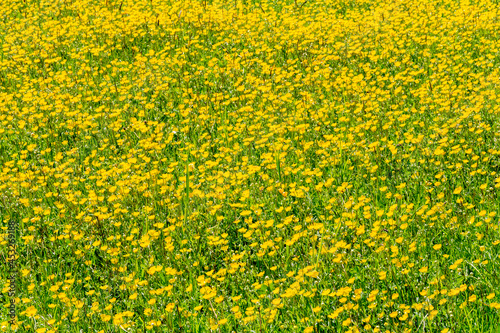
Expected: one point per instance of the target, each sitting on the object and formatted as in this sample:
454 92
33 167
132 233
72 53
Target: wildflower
31 311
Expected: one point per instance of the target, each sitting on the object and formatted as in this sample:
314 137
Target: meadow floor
250 165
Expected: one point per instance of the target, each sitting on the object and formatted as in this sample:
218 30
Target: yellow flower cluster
243 166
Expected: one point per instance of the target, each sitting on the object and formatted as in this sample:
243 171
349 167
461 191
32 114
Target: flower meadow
250 165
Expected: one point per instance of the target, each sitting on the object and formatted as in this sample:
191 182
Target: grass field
250 165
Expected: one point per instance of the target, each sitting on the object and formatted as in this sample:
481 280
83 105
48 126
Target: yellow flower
105 317
276 301
346 322
170 307
208 292
246 213
31 311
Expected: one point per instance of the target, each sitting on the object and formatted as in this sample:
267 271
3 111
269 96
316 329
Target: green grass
250 166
